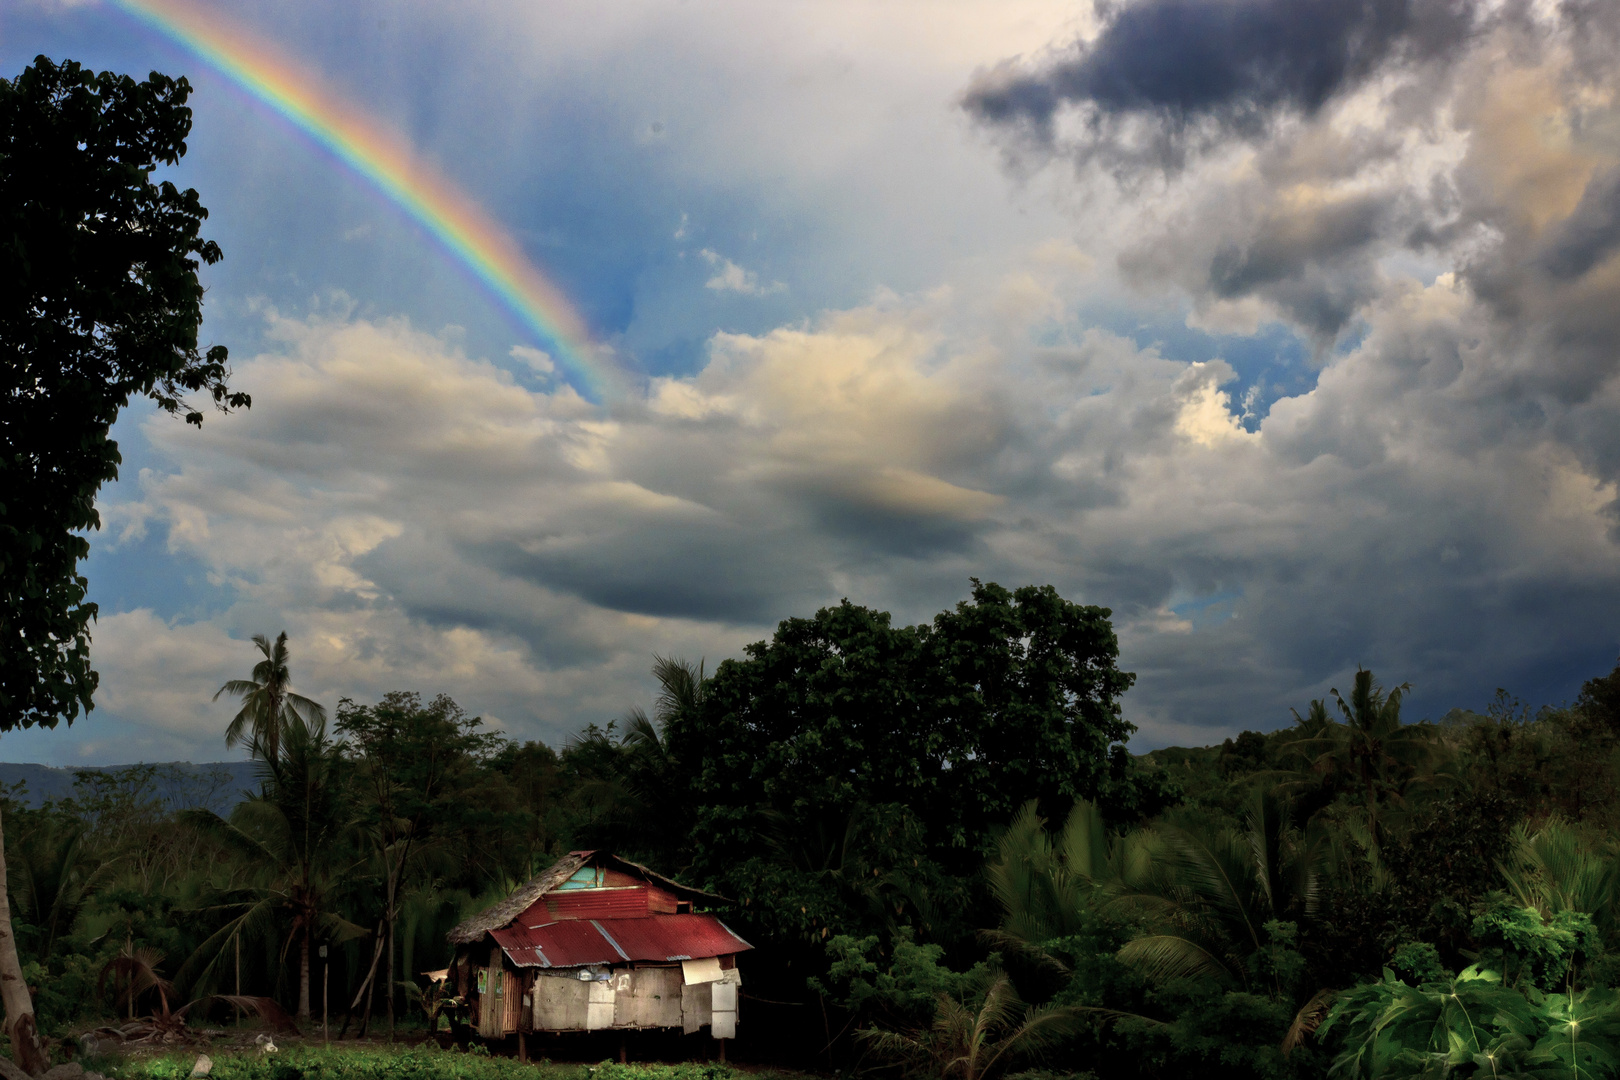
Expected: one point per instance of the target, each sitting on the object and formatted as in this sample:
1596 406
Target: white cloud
537 359
729 277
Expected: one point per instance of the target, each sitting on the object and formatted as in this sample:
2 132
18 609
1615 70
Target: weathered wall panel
648 998
695 1007
560 1003
599 1007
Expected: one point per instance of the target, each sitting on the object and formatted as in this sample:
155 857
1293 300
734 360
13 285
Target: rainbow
387 161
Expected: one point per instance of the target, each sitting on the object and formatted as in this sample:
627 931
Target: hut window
683 907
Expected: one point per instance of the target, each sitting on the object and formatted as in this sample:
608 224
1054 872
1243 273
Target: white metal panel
599 1011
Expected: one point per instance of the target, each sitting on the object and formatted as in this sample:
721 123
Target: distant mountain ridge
218 785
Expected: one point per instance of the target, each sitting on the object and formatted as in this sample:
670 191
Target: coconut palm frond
1169 956
1308 1019
680 687
269 704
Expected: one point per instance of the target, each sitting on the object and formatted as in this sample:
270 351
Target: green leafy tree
413 760
1599 700
1009 695
269 704
101 302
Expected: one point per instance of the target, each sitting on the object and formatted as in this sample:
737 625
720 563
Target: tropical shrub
1474 1025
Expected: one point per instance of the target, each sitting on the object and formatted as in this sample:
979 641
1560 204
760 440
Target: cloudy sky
1287 329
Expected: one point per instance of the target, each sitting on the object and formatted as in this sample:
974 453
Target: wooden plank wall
512 1001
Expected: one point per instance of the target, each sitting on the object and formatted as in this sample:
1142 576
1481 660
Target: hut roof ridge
501 914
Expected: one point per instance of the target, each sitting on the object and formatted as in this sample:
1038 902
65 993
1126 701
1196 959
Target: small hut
594 943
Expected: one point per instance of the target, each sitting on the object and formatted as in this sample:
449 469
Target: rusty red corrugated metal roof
579 942
673 937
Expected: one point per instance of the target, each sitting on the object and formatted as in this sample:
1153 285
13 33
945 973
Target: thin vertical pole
326 985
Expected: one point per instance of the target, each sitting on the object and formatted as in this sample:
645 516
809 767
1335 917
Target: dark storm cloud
1230 62
668 570
1589 235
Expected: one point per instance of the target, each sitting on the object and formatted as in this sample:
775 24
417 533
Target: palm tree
268 701
681 691
1045 883
1556 869
52 876
1371 753
646 770
293 836
1203 893
1207 893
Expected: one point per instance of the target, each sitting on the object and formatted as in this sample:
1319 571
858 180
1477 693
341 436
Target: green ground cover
403 1063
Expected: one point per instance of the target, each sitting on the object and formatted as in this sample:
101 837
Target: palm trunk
391 918
19 1023
303 976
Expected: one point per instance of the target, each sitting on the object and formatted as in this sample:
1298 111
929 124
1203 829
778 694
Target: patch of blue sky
1270 364
141 572
1206 611
138 570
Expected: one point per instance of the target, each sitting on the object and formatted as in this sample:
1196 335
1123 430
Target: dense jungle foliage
934 836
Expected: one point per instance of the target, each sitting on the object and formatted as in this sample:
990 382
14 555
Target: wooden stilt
624 1056
722 1051
523 1048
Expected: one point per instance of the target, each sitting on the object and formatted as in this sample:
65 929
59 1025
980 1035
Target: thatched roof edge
501 915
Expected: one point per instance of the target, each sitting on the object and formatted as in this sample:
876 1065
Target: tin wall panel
648 998
560 1003
599 1006
695 1007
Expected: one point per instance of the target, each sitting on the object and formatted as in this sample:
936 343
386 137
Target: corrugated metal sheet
571 943
586 904
579 942
596 904
673 937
